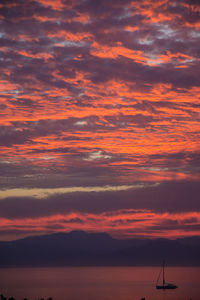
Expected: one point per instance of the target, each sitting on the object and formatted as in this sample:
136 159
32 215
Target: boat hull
166 287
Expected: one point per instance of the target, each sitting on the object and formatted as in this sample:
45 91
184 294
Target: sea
98 283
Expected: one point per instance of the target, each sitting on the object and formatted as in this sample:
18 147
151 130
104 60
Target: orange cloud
124 223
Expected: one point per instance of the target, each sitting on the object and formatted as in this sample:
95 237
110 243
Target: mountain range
79 248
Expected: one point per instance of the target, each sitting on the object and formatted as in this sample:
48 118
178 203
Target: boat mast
163 272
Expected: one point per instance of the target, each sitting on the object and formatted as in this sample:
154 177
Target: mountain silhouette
79 248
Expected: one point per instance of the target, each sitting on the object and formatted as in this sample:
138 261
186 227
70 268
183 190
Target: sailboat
164 285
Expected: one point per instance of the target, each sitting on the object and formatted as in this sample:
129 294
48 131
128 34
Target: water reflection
97 283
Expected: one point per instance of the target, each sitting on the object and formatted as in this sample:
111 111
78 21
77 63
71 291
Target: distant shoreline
82 249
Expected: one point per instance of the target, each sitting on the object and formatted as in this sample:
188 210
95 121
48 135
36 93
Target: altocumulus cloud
99 112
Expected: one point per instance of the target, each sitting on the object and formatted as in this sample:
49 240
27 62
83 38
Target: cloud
99 95
118 223
44 193
167 197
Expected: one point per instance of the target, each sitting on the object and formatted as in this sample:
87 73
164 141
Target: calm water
98 283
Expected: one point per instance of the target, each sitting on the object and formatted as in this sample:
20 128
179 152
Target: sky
100 117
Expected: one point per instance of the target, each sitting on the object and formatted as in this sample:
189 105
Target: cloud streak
47 192
126 223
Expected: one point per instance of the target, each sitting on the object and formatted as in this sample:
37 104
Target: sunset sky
100 117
